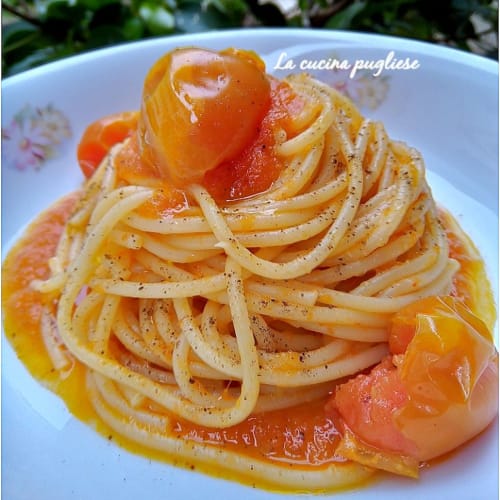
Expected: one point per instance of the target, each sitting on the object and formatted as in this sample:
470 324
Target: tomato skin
101 135
404 323
200 108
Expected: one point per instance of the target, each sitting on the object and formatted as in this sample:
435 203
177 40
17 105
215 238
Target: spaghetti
212 311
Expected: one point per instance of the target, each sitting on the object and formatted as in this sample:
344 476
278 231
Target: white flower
24 144
32 136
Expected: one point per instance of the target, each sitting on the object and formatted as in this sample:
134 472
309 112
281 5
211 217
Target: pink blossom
24 145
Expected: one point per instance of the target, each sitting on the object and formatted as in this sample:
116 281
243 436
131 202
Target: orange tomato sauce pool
302 435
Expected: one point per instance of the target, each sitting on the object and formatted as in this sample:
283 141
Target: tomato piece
438 393
201 108
101 135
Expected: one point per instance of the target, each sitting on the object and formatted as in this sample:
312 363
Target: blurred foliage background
40 31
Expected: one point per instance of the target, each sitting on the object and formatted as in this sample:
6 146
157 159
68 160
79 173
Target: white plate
447 108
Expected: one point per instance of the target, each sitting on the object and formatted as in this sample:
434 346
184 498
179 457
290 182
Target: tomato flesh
258 166
368 402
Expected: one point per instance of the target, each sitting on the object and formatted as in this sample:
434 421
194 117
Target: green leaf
170 5
268 14
233 9
61 10
37 58
343 19
111 13
104 35
64 21
19 41
96 4
158 20
295 22
133 29
193 18
15 33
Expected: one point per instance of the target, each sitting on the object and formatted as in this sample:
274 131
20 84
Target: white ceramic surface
447 108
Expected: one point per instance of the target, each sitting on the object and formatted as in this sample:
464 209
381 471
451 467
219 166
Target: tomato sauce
469 282
303 435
